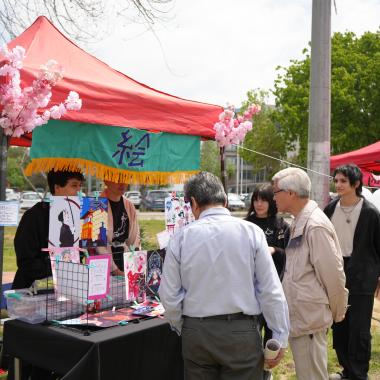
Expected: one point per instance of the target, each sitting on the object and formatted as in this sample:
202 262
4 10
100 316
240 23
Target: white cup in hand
272 348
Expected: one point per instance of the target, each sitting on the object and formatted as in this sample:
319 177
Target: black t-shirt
276 231
120 225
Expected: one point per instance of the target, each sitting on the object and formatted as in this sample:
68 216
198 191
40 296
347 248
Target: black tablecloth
148 350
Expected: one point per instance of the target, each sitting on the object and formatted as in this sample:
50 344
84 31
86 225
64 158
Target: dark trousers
352 337
222 349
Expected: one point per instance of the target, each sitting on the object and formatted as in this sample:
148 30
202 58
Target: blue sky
216 50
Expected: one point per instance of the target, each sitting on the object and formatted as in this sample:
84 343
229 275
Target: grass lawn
149 229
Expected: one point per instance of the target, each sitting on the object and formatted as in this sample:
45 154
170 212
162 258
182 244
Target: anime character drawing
64 222
177 213
154 270
135 270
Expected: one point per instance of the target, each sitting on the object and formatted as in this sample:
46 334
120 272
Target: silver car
134 197
234 202
28 199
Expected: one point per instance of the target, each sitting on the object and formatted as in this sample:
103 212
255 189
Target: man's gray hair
293 179
206 188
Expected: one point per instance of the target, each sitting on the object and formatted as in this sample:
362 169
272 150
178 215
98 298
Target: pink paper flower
22 107
231 128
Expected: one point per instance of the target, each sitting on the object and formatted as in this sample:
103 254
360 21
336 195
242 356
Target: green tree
265 136
15 177
355 95
210 157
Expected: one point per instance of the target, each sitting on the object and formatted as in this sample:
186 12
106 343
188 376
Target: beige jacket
314 280
134 229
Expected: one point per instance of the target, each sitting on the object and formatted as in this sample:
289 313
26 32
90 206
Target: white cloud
219 49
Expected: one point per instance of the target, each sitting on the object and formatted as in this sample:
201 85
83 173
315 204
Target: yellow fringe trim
106 172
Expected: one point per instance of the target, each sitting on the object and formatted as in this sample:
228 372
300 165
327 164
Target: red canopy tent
109 96
367 158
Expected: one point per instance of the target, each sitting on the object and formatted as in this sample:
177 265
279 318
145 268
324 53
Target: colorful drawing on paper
66 254
64 222
135 275
93 216
107 318
149 308
155 261
177 213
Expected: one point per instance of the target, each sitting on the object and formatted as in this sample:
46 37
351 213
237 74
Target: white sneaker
337 376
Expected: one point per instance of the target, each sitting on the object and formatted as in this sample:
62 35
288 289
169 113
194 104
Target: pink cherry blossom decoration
22 108
231 128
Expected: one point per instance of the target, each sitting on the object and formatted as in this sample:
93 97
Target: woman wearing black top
263 212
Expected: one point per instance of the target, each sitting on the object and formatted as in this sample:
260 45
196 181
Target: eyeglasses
278 191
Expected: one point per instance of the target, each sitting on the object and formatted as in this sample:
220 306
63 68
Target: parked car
28 199
154 200
247 201
11 195
234 202
243 196
134 197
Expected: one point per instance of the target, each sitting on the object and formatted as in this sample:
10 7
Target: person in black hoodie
263 212
32 263
33 231
357 224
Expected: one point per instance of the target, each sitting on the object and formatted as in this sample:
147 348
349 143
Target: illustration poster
177 213
64 222
66 254
99 276
155 261
135 275
93 216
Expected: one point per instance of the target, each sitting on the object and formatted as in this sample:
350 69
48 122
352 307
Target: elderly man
218 277
314 280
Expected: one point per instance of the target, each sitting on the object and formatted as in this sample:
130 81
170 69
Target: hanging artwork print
155 261
64 222
135 275
177 213
66 254
93 216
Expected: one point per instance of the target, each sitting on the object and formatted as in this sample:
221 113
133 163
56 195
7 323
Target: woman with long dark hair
263 212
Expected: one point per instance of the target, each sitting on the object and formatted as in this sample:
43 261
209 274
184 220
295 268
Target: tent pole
223 168
3 179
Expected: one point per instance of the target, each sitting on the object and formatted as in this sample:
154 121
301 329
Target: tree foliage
15 177
265 137
82 20
355 95
210 157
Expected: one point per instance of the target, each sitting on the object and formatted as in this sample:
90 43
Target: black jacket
363 268
31 236
276 231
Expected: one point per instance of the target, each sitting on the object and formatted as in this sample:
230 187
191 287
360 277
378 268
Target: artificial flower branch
22 108
232 128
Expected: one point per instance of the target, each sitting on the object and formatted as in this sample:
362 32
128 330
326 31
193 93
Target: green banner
113 150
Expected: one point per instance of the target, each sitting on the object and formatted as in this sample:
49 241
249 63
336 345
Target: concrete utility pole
320 101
